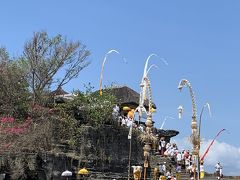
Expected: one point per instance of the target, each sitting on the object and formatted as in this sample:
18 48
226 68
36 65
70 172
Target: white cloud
228 155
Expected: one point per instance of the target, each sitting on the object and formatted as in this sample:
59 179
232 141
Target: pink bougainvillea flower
7 120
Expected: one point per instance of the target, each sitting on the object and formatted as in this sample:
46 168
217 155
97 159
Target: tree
47 57
90 107
14 94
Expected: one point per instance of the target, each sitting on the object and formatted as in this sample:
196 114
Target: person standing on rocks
160 167
162 146
164 169
115 112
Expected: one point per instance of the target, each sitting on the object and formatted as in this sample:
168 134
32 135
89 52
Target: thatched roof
61 96
58 91
128 97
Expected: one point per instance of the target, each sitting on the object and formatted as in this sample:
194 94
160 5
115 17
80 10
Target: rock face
101 150
107 149
168 134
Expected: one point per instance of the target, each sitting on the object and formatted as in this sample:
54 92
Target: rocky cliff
104 151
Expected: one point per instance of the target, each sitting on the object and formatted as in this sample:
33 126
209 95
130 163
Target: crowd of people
183 159
126 119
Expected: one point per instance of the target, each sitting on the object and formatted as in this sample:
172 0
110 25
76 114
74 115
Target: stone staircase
155 160
184 175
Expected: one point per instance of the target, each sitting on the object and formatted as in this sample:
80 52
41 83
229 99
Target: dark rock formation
107 148
168 134
103 151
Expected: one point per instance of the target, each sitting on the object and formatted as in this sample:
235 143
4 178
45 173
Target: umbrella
66 173
83 171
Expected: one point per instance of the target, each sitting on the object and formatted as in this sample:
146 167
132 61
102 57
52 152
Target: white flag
130 132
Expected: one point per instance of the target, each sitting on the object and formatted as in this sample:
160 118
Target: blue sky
200 40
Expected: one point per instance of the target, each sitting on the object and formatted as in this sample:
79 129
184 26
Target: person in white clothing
221 173
141 128
115 112
129 122
179 157
162 146
168 145
124 122
187 163
164 169
168 175
218 170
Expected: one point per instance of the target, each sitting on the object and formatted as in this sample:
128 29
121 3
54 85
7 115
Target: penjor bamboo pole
145 173
129 158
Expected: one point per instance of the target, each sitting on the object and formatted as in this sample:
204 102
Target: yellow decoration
83 171
178 176
202 175
126 108
137 175
153 110
130 114
162 177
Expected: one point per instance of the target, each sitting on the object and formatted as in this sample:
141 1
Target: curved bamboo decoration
185 82
144 82
147 137
200 119
104 60
148 84
194 136
199 130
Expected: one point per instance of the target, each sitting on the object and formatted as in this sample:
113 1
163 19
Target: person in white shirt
123 122
160 169
120 120
221 173
141 128
164 168
129 122
187 163
115 112
179 157
218 170
168 145
168 175
162 146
